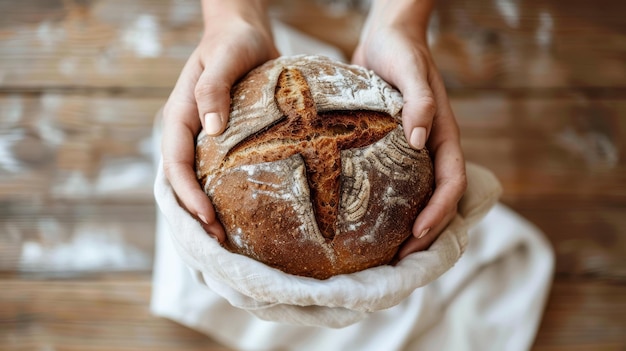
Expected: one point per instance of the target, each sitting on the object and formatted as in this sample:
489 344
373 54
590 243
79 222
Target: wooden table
538 87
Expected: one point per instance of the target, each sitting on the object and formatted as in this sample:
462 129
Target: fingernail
203 219
418 137
212 123
424 232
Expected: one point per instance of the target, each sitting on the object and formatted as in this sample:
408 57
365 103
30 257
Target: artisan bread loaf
313 175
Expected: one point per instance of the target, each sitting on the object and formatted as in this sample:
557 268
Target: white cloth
338 301
491 300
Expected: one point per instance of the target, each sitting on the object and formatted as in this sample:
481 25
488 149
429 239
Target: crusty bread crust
313 175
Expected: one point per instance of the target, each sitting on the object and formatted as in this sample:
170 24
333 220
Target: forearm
251 11
409 15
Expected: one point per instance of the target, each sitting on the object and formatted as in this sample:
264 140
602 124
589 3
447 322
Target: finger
182 179
212 94
178 164
435 217
414 244
221 71
450 178
419 106
358 57
450 184
417 117
410 75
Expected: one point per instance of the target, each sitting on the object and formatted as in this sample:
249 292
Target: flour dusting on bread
313 175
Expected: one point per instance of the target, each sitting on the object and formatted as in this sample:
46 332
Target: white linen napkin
492 299
338 301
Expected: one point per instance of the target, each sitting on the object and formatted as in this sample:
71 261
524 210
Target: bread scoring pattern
313 175
318 137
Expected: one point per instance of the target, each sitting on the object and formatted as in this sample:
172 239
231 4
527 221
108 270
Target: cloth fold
338 301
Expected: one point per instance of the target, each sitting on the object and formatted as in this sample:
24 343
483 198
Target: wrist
251 11
408 15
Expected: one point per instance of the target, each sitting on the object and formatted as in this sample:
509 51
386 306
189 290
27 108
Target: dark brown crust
319 138
315 193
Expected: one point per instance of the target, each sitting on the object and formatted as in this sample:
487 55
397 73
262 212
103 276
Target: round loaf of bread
313 175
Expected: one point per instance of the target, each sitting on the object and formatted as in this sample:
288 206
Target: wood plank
565 147
76 177
530 44
73 147
94 315
83 241
584 315
91 315
589 238
94 44
477 44
76 240
560 161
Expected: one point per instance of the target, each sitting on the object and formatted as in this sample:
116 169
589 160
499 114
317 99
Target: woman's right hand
393 44
237 38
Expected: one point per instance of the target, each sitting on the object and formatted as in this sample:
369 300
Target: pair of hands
238 39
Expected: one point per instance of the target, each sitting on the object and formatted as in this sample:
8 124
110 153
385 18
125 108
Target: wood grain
83 139
584 315
529 44
89 315
95 44
114 314
76 189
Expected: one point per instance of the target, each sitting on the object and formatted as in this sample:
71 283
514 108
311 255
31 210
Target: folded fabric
273 295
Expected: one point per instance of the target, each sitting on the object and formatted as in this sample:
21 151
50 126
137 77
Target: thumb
212 93
420 105
418 113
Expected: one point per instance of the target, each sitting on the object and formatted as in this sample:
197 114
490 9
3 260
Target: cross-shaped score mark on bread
308 178
318 137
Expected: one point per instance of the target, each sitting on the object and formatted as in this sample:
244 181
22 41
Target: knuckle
169 170
210 91
167 110
463 184
459 181
458 184
173 171
428 104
